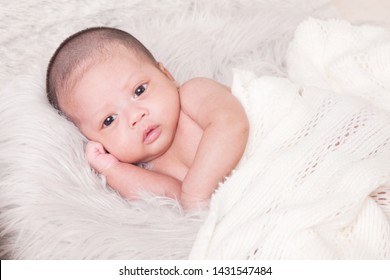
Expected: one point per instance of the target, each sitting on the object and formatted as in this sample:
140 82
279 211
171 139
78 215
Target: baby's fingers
93 149
98 158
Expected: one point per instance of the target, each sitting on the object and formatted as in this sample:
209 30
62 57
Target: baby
146 132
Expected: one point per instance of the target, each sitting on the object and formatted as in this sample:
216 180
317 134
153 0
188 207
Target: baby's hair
79 50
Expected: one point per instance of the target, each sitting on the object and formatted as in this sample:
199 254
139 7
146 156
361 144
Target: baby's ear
165 71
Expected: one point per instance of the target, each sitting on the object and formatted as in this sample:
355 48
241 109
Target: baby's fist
98 157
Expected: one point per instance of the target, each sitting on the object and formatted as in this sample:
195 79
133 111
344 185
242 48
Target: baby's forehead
65 94
67 98
99 56
83 65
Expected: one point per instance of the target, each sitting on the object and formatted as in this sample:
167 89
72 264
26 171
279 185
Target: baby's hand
98 157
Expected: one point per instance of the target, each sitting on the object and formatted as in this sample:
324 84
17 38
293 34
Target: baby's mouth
151 134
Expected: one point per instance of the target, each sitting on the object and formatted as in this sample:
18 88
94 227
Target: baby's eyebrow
126 82
132 79
98 110
98 116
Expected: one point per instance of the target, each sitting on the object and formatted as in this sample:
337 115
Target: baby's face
129 105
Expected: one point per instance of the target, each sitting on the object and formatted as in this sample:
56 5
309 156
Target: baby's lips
151 134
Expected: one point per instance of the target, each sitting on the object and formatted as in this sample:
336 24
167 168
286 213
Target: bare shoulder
200 86
205 100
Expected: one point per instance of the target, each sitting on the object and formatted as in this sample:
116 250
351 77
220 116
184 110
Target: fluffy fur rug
52 205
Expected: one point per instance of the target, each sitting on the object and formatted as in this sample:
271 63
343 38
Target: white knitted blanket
315 179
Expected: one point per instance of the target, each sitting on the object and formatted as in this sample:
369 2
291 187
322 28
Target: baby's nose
137 118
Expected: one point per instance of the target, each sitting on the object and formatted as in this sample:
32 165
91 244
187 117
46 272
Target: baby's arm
129 179
225 135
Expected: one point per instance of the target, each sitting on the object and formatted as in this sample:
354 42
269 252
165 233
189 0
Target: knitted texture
315 179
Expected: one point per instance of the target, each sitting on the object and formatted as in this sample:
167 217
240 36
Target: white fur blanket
315 180
52 206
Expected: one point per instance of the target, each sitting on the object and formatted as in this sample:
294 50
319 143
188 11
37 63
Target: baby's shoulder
201 85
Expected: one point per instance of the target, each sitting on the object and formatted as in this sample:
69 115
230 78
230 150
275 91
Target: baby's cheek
124 147
120 151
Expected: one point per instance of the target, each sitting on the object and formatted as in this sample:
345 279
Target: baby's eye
109 120
140 90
